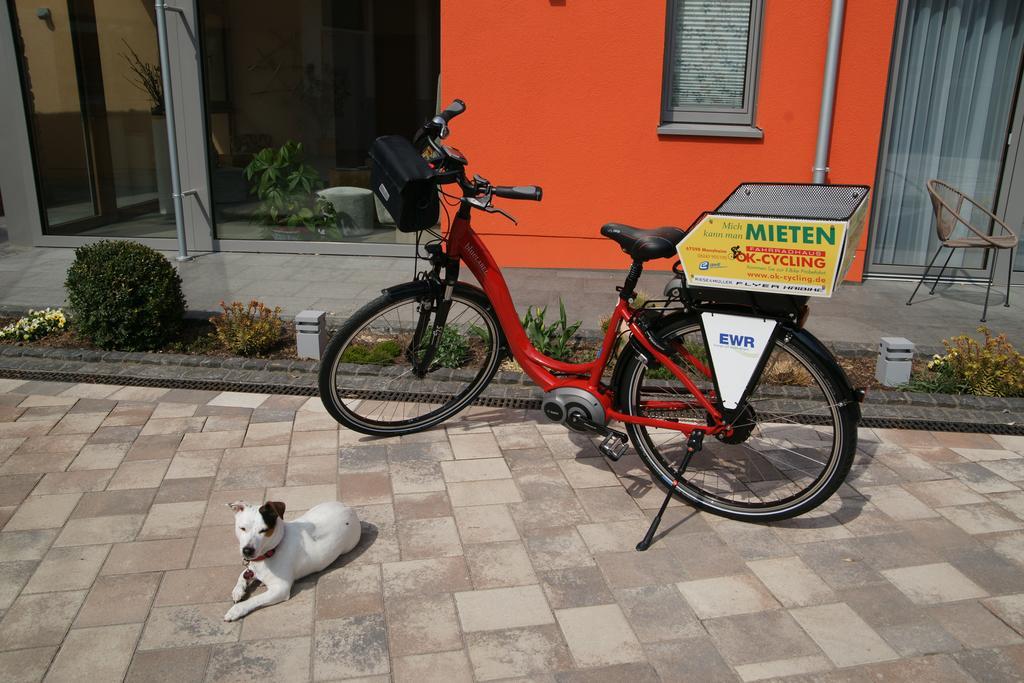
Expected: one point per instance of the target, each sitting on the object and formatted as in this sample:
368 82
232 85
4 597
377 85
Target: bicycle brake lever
493 209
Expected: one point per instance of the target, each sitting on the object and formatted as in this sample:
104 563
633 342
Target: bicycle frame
466 246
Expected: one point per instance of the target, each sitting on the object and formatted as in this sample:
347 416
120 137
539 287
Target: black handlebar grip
453 110
530 192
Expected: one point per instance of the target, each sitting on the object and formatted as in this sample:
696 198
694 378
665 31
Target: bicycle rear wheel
367 379
792 443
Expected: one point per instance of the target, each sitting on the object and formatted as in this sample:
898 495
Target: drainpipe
172 136
828 93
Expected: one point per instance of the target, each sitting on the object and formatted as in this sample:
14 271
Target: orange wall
566 94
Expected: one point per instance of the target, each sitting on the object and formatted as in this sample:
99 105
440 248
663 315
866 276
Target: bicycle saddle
644 244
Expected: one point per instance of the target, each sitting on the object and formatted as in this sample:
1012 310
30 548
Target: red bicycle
768 443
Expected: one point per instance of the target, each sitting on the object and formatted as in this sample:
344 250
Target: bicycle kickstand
693 444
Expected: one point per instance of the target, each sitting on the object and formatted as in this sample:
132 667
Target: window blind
709 59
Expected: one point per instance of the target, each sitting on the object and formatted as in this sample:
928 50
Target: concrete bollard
895 357
310 334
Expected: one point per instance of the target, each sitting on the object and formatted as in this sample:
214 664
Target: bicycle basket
404 183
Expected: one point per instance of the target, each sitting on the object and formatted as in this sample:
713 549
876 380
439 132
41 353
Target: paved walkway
497 547
341 284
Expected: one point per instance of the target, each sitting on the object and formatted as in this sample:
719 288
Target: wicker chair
948 218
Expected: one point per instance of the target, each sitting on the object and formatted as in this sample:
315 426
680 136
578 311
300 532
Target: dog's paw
235 613
238 594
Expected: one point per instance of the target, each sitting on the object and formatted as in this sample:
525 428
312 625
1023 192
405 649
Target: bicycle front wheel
367 379
792 443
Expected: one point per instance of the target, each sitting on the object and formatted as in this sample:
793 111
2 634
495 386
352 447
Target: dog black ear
271 511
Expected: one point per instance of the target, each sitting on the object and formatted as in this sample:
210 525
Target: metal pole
172 136
828 92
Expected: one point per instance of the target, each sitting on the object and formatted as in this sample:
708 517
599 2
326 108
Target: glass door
91 76
952 94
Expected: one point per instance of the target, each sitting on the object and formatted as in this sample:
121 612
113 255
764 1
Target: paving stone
313 469
37 620
105 456
168 409
141 474
423 577
43 512
610 504
350 647
517 652
194 464
496 565
291 618
759 637
107 434
585 473
95 654
197 585
15 488
981 519
217 511
107 503
314 443
94 530
658 613
26 666
349 592
992 666
934 668
65 569
557 548
30 463
694 659
215 546
205 441
894 550
983 454
417 476
934 583
78 423
513 436
502 608
575 587
147 556
657 565
1009 608
254 455
792 582
365 488
235 399
726 596
897 502
121 599
245 477
484 523
439 667
187 626
843 635
472 446
421 624
980 479
154 447
26 545
73 482
13 577
298 499
475 470
184 490
467 493
599 635
532 516
428 505
172 425
613 537
424 538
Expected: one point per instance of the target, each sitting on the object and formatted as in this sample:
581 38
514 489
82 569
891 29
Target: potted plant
146 77
285 186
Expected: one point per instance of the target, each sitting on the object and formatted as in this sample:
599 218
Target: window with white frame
711 65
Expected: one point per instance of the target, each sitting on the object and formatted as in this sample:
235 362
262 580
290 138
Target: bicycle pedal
614 446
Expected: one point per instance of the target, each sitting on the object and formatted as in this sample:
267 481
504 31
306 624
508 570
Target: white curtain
953 94
710 56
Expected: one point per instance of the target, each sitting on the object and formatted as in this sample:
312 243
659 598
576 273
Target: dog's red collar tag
247 574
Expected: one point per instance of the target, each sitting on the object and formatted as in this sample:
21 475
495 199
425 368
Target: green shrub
35 325
555 340
991 368
452 349
124 296
381 353
248 330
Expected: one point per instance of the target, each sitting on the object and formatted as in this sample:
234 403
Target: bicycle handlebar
452 110
529 192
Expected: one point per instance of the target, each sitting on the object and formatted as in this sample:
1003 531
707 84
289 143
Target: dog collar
248 573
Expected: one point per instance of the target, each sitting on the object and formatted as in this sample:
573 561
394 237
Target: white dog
278 553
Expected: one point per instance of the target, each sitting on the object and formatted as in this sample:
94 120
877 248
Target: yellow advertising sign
777 255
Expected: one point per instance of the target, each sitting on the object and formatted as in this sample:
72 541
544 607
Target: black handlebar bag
404 183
